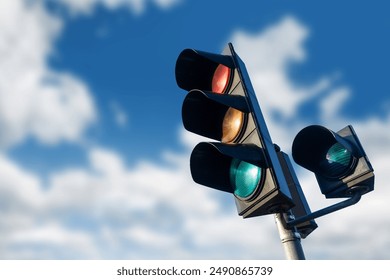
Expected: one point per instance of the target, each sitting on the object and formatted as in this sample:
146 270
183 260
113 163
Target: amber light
232 125
221 79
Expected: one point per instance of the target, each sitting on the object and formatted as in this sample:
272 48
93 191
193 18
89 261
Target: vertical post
290 238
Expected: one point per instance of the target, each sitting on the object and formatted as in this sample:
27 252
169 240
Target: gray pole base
290 238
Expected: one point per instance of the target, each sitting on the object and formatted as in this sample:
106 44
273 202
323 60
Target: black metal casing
203 112
311 144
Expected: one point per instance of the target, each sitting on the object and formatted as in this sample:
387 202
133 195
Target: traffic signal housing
337 160
221 104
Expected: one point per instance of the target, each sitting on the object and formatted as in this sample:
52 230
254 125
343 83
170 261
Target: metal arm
343 204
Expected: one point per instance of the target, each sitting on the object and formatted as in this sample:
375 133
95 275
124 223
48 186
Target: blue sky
93 156
127 61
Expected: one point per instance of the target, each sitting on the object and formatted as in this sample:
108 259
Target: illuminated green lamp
245 178
337 161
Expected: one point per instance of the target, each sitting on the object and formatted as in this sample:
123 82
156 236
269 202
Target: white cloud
18 187
136 6
35 100
110 210
331 105
51 239
268 56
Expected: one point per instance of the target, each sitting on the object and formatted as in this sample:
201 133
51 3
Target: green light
244 177
338 160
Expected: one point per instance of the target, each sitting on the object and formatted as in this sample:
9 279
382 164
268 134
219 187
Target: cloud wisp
78 7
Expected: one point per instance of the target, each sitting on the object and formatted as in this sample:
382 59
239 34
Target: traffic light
221 105
337 159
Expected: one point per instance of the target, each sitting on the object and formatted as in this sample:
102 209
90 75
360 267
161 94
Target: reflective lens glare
232 124
338 160
244 177
221 78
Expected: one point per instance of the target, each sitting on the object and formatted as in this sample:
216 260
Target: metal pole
290 237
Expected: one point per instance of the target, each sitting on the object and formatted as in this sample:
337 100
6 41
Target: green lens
338 160
244 177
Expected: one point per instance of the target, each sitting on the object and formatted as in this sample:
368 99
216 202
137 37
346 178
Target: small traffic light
221 105
337 159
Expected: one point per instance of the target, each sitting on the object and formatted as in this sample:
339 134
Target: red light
221 79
